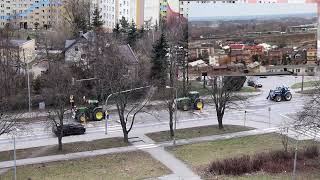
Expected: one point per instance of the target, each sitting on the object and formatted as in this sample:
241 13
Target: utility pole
269 109
14 157
28 79
302 80
295 160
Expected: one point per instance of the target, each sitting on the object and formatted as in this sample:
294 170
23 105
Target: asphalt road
255 113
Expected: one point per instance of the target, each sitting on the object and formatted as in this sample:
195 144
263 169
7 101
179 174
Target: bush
311 151
272 162
234 166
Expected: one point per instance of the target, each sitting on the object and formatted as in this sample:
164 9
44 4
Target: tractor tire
185 107
288 96
82 118
198 104
98 114
278 98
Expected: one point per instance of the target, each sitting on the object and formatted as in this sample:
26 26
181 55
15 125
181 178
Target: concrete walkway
179 169
142 143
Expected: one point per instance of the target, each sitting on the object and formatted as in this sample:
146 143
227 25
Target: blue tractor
279 94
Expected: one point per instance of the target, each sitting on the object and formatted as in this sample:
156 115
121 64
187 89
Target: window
297 70
76 48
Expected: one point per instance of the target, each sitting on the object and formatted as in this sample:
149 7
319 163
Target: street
254 113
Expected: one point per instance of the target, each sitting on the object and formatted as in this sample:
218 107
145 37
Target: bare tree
224 96
78 15
57 90
309 117
119 71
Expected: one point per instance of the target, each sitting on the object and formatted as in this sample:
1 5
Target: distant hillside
258 17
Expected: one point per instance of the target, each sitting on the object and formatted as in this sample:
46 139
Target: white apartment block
112 12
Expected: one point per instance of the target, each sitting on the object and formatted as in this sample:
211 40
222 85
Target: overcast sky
210 10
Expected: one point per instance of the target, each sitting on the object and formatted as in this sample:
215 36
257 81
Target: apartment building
28 14
112 11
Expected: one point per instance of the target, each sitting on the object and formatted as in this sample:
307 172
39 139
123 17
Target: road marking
146 146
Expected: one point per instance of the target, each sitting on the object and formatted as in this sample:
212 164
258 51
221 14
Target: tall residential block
29 13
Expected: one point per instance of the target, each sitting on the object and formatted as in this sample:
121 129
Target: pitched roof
128 54
236 46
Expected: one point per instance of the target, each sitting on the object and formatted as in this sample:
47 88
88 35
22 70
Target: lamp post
28 79
175 113
125 91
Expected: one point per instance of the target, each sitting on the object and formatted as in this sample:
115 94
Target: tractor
90 113
279 94
193 101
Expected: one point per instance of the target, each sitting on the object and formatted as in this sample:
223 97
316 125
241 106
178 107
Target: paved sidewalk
180 170
149 144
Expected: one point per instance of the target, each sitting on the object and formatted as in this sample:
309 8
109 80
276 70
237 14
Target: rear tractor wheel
98 114
198 105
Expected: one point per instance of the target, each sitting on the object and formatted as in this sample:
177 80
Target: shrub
311 151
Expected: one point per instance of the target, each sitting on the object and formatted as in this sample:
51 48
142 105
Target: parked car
254 83
70 129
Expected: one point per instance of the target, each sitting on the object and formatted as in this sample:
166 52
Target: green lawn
306 84
66 148
194 132
199 155
131 165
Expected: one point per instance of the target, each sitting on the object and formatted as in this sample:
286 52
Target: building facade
112 11
28 14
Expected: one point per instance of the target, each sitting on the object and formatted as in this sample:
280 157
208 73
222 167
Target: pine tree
124 24
28 38
97 19
156 26
141 32
116 30
132 34
159 61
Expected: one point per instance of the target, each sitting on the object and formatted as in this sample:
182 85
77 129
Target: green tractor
90 113
193 101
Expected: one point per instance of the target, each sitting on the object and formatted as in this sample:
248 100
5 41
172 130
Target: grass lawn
130 165
66 148
194 132
305 84
200 155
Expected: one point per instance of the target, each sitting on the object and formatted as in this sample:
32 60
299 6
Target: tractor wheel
198 104
277 98
98 114
82 118
185 107
288 96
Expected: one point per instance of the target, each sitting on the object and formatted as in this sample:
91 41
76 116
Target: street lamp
175 114
14 131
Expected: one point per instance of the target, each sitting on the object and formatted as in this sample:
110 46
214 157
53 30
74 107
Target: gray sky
219 9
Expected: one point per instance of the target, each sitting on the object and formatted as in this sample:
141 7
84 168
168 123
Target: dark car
254 83
70 129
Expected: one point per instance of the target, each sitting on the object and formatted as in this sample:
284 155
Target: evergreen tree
97 19
28 38
156 26
124 24
116 30
132 34
141 32
159 61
